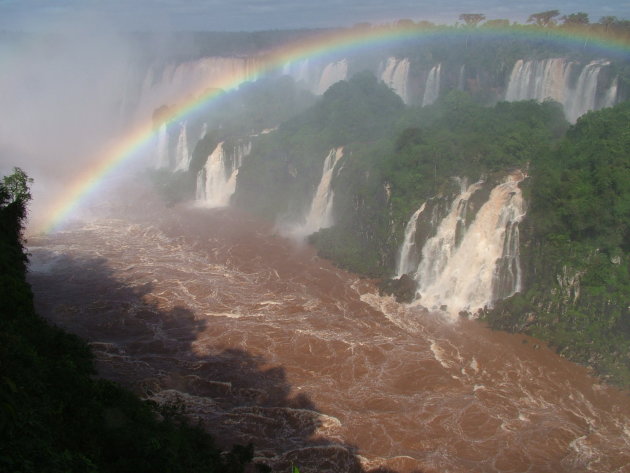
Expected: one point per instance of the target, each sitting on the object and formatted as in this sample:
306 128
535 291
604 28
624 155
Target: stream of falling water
265 342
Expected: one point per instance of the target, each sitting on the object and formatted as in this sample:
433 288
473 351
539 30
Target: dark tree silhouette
545 18
472 19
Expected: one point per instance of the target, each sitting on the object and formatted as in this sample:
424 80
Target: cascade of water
539 80
550 79
320 214
432 87
610 99
182 156
204 130
333 72
396 74
438 249
408 258
216 181
298 70
583 97
485 264
161 149
172 83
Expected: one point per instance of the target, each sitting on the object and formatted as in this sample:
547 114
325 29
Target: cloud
233 15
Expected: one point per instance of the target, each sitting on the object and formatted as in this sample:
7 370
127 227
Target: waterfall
469 268
216 181
551 79
438 249
408 250
539 80
204 130
182 156
333 72
610 99
320 214
161 148
585 93
396 74
299 70
432 87
173 83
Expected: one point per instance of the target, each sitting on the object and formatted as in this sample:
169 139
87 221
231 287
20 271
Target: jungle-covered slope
574 238
55 416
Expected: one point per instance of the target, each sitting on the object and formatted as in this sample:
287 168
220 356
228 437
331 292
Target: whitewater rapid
265 342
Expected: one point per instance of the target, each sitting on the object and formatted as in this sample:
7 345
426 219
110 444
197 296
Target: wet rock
403 288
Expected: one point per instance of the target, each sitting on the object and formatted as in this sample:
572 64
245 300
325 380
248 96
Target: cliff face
562 256
577 298
559 237
575 248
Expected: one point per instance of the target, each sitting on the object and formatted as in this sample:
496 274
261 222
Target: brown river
262 341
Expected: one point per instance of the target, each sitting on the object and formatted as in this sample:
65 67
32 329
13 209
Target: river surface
262 341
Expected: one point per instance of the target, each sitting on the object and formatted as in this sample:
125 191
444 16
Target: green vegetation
54 415
578 238
280 176
575 238
394 159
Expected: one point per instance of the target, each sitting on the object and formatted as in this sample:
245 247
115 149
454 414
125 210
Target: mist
66 95
293 235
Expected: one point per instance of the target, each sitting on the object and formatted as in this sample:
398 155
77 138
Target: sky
60 101
252 15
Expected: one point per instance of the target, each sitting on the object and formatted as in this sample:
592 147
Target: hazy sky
234 15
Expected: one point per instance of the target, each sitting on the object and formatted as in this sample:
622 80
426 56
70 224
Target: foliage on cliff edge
576 256
54 415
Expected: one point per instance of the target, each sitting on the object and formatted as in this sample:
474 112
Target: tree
14 198
579 18
15 188
607 21
545 18
472 19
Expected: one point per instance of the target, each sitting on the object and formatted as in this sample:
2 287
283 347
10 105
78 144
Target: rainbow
313 46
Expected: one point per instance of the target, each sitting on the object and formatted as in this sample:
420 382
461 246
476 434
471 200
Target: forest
574 237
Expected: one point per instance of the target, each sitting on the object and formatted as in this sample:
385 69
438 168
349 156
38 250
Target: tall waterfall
584 96
161 148
407 256
173 83
432 87
539 80
333 72
396 75
551 78
468 268
216 181
299 70
320 214
611 95
438 249
182 156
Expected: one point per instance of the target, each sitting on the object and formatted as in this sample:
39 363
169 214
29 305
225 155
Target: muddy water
265 342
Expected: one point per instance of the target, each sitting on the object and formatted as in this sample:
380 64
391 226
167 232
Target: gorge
249 269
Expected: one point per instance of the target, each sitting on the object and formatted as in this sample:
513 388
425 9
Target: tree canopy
545 18
472 19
